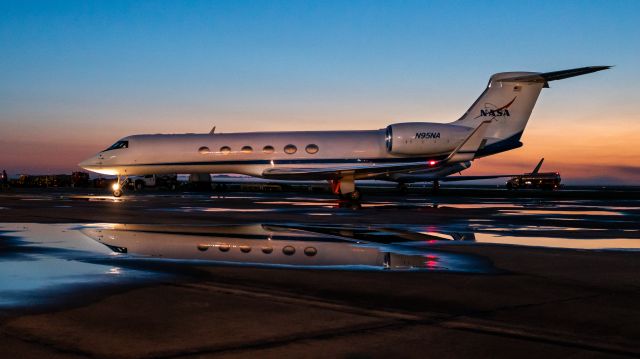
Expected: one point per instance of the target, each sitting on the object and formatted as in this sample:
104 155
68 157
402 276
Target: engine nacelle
424 138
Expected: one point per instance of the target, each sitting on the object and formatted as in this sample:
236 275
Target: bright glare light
116 186
432 163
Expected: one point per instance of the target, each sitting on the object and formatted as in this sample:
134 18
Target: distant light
432 163
116 186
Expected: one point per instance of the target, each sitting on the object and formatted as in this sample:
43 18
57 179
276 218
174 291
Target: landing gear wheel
119 186
436 186
354 196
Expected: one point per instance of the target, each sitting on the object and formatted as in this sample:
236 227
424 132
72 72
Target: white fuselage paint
184 153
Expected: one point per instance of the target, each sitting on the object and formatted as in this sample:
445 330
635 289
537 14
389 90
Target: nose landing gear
117 187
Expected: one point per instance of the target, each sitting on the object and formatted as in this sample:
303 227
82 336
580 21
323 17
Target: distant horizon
487 182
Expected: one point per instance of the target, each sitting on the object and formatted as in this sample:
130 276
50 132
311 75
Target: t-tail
508 100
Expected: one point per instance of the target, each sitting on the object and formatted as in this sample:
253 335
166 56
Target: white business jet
403 152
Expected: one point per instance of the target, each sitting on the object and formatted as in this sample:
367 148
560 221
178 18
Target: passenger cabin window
118 145
312 149
246 149
225 150
268 149
290 149
203 150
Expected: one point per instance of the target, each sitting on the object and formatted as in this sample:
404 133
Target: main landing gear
346 189
117 187
402 188
436 186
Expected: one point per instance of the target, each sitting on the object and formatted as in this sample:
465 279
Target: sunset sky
77 75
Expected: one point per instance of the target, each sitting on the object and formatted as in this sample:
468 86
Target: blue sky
83 73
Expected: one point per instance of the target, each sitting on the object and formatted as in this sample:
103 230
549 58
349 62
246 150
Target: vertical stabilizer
535 170
509 104
508 100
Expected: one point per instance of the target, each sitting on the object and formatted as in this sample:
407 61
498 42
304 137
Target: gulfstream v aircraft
402 152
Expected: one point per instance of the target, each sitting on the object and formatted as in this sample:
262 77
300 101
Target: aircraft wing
366 170
471 178
464 152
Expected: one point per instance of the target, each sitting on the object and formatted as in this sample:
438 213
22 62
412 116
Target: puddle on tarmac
40 261
562 212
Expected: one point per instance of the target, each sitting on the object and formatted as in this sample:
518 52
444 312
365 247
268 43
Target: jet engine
424 138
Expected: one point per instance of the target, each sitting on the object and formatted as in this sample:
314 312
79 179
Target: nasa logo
491 110
426 135
494 113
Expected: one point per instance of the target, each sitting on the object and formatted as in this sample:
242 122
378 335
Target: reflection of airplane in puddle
274 245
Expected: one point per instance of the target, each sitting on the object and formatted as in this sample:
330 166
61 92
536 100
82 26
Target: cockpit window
117 145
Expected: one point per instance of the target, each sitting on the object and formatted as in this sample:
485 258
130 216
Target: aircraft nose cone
89 162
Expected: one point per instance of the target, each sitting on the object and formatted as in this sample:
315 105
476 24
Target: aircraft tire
117 193
355 195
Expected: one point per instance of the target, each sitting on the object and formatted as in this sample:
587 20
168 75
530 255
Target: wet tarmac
389 276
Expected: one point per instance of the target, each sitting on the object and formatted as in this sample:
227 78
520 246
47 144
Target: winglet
535 170
467 149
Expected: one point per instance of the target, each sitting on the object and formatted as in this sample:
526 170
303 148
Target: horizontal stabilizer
544 77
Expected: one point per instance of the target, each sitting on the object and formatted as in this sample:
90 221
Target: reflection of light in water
105 199
544 211
218 209
114 271
324 204
614 208
371 205
438 235
617 243
314 204
232 197
479 206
